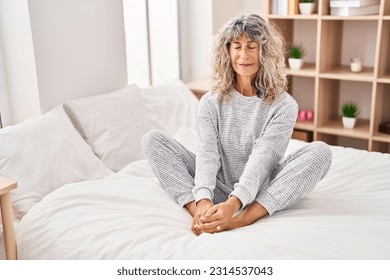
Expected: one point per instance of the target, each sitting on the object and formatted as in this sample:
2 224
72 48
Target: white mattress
129 216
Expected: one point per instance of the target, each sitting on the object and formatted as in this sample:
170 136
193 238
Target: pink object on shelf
309 115
305 115
301 116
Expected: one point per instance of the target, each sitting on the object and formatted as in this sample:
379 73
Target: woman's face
244 56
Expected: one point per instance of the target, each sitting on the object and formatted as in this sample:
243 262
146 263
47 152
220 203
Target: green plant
350 109
297 51
306 1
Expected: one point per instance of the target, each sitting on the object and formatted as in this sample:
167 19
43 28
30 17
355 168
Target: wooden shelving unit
327 74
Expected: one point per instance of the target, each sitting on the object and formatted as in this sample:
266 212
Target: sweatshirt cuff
203 193
243 195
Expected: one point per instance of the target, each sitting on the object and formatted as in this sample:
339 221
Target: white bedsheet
129 216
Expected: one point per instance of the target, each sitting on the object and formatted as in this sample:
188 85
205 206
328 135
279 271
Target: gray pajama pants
294 176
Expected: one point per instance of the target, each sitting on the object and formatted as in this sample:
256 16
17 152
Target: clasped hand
211 218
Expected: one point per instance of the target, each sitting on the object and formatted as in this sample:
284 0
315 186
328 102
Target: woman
244 126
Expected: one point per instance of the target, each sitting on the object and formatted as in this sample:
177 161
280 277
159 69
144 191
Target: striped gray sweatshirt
241 142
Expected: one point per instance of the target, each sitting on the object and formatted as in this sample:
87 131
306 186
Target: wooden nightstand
6 185
200 87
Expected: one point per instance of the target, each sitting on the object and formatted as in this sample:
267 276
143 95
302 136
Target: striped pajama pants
293 177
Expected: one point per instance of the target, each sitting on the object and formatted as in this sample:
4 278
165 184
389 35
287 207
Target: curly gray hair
271 79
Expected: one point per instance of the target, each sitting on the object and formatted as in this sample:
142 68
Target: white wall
79 48
184 40
72 37
19 62
224 10
164 40
257 6
55 50
152 41
199 35
137 48
199 22
4 100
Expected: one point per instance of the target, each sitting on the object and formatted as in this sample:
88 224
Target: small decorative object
356 64
306 7
349 110
301 116
305 115
309 115
295 60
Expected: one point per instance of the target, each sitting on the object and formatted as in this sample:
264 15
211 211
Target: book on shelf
293 7
282 7
285 7
353 3
274 7
354 11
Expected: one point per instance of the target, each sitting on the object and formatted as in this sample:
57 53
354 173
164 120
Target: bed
86 192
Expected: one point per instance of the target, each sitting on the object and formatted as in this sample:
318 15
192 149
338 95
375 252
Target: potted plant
295 60
306 7
349 110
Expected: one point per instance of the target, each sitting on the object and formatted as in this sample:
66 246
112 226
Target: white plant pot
306 8
349 122
295 63
356 64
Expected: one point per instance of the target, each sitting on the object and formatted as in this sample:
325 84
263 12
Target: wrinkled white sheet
129 216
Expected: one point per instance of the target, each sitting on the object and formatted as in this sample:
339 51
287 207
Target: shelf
368 17
382 137
298 16
309 126
335 127
326 80
344 73
308 70
384 79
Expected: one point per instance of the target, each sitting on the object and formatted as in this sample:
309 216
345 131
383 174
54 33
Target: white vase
306 8
349 122
295 63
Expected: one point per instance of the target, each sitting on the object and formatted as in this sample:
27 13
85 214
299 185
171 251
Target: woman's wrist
203 201
191 207
234 202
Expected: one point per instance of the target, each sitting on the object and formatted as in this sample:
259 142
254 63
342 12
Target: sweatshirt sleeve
207 158
268 150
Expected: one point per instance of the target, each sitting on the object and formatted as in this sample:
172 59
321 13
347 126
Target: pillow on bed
188 137
113 124
174 103
42 154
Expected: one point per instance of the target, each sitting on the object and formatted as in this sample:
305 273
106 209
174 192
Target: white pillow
188 137
42 154
174 103
113 124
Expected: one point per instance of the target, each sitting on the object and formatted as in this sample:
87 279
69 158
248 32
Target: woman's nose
243 53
